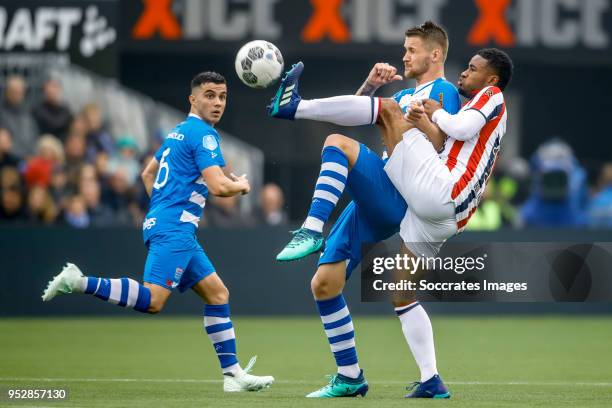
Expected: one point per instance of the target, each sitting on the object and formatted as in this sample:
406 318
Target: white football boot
67 281
243 381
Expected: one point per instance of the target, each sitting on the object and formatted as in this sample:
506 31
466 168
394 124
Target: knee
219 297
389 105
389 109
407 299
323 289
337 140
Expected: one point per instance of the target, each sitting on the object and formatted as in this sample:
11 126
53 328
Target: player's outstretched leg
123 292
339 153
285 102
218 325
345 110
349 381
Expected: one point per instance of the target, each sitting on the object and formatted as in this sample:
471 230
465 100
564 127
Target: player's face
417 58
208 101
477 75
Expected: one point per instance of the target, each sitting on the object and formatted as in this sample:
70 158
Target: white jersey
470 162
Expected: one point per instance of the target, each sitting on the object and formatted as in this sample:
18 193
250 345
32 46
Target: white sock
419 335
346 110
351 371
313 224
81 285
235 370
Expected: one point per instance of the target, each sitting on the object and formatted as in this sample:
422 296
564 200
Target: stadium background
123 68
131 62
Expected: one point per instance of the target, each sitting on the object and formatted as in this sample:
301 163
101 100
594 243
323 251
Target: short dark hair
500 62
205 77
431 32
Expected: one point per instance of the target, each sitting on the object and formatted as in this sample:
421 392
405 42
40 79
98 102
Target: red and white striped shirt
471 161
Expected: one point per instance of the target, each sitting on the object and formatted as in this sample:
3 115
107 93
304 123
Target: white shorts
425 182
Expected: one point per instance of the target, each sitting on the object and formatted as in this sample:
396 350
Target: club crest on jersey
489 93
210 142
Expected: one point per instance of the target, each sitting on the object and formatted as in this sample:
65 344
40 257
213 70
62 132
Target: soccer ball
259 64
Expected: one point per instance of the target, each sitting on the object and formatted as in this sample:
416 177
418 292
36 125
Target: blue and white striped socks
338 327
329 187
124 292
220 330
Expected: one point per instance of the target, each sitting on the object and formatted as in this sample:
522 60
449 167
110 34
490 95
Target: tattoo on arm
366 89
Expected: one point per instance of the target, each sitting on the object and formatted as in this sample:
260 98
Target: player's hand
417 117
430 106
415 112
381 74
243 181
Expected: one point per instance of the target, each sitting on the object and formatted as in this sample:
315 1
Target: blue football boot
285 102
432 388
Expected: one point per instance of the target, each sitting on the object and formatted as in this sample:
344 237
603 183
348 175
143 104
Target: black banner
576 32
491 272
87 31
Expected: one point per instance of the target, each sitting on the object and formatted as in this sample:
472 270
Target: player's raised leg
339 154
124 292
218 325
327 285
345 110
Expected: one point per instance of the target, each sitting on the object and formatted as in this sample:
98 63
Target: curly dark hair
500 62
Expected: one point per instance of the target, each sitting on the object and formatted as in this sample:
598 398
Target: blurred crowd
59 167
64 167
550 190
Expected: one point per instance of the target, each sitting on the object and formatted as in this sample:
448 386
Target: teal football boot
303 243
342 386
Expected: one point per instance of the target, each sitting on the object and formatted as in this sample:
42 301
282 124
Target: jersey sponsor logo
175 136
178 273
149 223
210 142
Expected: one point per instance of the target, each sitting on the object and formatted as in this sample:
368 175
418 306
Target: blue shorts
374 214
177 261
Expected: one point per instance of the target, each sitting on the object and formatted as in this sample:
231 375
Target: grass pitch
146 361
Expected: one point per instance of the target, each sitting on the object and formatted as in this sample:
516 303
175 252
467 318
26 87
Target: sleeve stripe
372 110
478 110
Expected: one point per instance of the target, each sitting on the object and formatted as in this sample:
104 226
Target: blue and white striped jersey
179 193
439 90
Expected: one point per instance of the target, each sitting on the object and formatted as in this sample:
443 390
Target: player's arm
148 175
467 124
209 159
381 74
418 118
462 126
221 185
